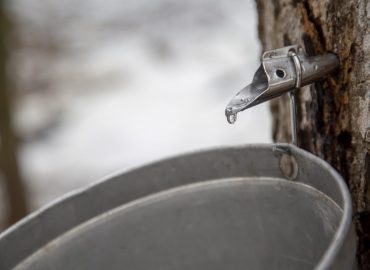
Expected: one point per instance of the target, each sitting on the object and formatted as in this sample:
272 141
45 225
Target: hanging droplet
231 118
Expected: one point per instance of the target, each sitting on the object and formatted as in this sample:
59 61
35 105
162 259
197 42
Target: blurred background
89 88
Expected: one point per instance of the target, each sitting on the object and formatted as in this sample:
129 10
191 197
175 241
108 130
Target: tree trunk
8 159
333 115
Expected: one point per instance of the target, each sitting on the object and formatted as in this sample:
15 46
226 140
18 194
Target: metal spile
281 71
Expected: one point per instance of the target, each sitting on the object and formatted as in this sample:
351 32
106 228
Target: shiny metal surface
293 117
206 210
282 70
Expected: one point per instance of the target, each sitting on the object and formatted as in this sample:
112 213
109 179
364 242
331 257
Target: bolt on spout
281 71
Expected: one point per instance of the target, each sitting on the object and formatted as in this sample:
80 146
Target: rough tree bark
334 121
8 150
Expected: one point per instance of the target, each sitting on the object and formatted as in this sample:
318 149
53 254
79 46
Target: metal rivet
288 166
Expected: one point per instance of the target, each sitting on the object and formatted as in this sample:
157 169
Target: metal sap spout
281 71
248 96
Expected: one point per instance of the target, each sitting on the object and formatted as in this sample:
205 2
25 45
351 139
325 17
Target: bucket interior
233 223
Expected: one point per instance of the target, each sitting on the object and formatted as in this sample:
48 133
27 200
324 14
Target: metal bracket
282 71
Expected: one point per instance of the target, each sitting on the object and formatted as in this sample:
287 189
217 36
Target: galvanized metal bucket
231 208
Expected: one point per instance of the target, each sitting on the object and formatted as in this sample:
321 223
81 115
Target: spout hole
280 73
288 166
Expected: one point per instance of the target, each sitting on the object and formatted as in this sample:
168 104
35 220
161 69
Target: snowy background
106 85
